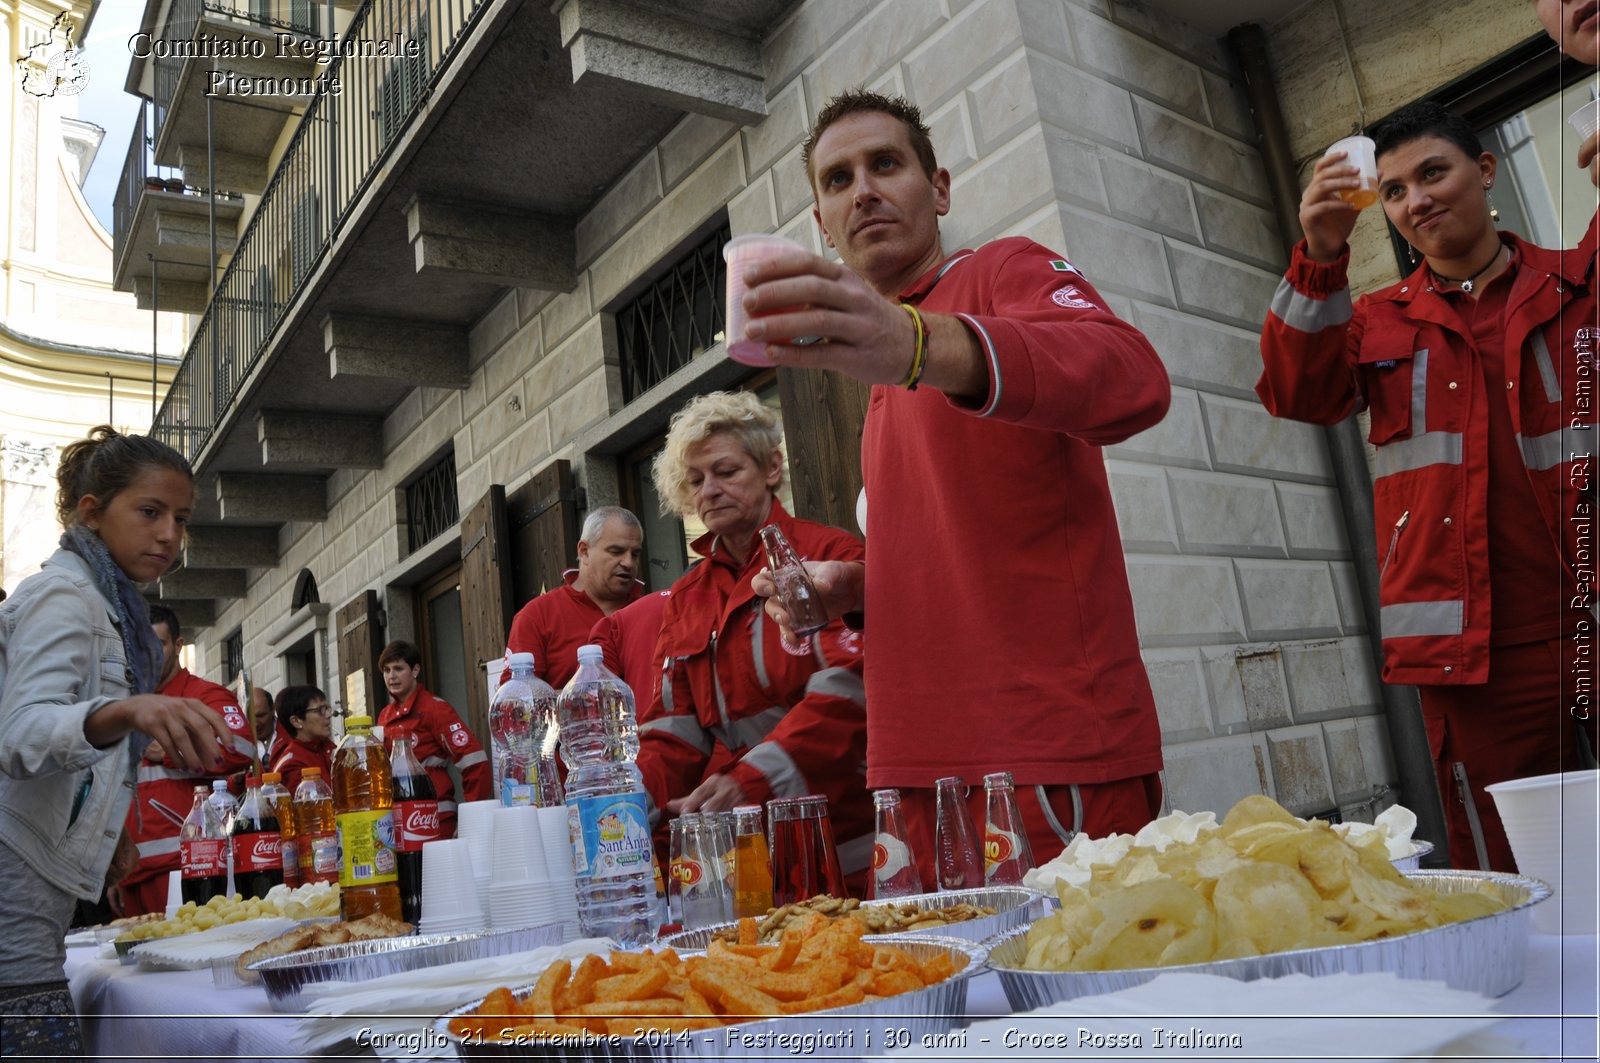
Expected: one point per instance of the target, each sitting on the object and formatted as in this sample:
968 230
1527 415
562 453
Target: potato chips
818 964
1260 882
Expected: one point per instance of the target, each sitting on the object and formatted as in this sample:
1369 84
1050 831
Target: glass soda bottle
314 828
677 847
1007 856
511 754
363 800
894 866
795 589
752 868
273 790
704 895
257 843
203 851
416 822
957 859
607 820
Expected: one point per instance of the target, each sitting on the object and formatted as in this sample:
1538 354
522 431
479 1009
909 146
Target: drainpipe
1408 740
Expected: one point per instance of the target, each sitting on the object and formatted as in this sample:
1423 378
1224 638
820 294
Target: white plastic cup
449 889
1585 121
741 253
1551 823
555 836
1361 153
476 828
174 892
511 856
538 859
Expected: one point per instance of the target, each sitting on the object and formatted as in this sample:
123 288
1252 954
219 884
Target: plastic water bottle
521 719
606 816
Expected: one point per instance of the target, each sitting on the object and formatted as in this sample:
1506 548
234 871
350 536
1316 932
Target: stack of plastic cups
449 889
475 826
521 893
557 842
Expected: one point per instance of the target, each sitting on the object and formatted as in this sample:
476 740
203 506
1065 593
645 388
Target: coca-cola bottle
416 822
957 860
273 791
894 866
1007 856
257 842
203 850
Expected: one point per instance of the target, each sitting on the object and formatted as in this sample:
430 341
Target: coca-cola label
890 856
257 852
204 857
998 847
417 823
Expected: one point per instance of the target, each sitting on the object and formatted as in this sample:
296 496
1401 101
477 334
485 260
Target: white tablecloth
131 1014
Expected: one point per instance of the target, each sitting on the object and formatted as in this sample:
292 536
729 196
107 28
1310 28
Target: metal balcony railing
140 173
335 152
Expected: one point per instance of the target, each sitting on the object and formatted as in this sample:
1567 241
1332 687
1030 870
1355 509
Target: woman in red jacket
305 713
795 725
1478 373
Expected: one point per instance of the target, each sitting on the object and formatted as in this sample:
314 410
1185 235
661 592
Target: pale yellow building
73 352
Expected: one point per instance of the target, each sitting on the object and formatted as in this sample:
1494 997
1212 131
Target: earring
1411 253
1494 212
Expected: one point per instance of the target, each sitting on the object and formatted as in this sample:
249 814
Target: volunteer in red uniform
629 639
1471 370
166 789
439 735
1000 624
795 725
304 713
555 624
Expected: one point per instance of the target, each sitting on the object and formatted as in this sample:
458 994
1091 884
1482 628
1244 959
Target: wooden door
822 418
543 515
486 605
360 625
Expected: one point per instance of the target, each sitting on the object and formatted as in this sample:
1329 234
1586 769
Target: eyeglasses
321 710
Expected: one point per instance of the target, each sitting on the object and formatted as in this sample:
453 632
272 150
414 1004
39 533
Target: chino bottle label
615 832
998 847
366 847
890 856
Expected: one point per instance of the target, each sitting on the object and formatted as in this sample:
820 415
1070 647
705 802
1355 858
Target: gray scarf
139 643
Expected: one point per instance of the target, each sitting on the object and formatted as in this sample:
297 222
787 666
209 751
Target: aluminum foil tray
1013 907
1414 861
283 977
842 1033
1484 955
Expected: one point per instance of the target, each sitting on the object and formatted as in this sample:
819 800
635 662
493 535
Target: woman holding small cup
1473 372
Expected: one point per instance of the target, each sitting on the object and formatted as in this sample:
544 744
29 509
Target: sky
103 101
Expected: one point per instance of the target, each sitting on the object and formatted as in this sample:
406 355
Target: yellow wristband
919 355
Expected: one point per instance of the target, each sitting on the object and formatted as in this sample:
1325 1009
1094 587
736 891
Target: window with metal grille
431 505
677 317
233 651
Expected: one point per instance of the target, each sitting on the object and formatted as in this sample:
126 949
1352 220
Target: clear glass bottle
958 861
795 590
752 868
1007 856
894 865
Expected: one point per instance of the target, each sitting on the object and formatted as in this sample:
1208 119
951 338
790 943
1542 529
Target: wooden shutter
360 627
544 530
486 606
822 418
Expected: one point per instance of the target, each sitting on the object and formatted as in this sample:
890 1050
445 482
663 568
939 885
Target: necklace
1466 285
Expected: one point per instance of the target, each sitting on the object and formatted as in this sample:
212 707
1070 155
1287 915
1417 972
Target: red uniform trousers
1098 809
1514 726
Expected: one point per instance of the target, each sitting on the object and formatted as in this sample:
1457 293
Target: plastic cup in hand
1361 153
1550 821
795 590
805 862
741 253
1586 120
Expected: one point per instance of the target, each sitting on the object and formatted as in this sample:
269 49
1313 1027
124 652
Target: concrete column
370 348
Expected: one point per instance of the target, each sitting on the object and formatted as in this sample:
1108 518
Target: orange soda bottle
363 796
314 828
752 870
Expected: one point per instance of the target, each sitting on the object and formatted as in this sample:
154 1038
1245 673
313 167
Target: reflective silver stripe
283 758
751 730
435 762
159 847
1429 448
838 683
855 854
447 806
245 747
1547 368
1307 314
470 759
1419 392
780 770
685 729
666 683
1410 620
159 773
716 684
1553 448
758 649
652 811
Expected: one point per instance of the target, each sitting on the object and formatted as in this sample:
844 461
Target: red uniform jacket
1000 628
629 638
295 756
1401 354
166 789
553 626
439 737
796 725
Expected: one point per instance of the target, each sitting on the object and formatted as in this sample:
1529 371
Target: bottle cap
272 776
591 652
520 660
309 773
358 723
252 780
219 786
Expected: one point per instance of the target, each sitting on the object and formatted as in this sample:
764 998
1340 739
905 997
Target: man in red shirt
1002 632
165 788
555 624
439 736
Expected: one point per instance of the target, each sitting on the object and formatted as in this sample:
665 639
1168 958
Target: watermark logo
54 67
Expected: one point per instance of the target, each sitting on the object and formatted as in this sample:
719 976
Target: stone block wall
1097 129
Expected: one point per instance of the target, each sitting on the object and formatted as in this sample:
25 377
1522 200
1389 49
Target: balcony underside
170 242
